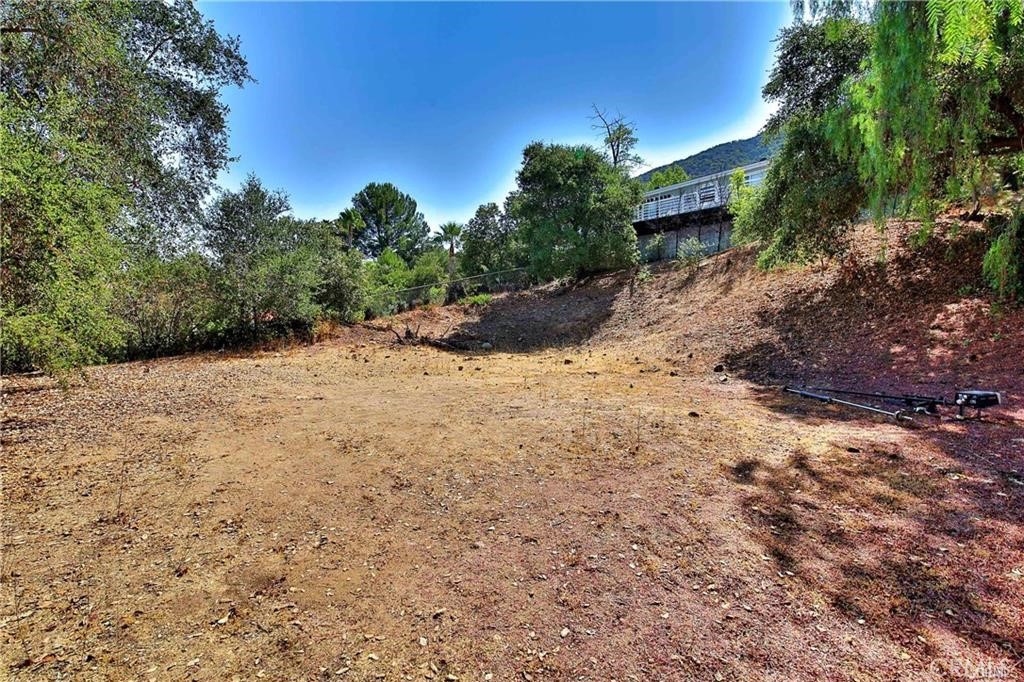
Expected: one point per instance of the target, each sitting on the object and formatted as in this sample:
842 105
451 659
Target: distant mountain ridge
722 157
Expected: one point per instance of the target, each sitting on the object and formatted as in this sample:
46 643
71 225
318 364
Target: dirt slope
586 500
920 319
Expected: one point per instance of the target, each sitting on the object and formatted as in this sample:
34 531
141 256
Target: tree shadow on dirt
892 536
911 323
831 527
567 315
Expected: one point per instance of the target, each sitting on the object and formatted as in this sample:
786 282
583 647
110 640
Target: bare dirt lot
589 499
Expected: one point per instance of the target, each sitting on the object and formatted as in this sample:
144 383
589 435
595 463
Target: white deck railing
708 191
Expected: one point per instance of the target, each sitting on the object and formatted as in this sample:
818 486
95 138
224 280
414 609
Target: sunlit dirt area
594 499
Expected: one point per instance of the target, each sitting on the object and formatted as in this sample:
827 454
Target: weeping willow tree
918 104
943 94
938 114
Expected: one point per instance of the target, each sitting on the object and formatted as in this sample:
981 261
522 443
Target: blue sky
440 99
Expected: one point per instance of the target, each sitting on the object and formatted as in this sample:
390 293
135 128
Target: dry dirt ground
586 500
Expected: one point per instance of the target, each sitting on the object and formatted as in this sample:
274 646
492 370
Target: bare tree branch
156 48
619 137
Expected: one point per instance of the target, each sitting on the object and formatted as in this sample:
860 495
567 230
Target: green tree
949 78
490 242
940 105
806 204
245 223
338 289
145 79
268 262
112 129
391 221
450 235
60 262
670 175
350 226
575 210
812 192
812 64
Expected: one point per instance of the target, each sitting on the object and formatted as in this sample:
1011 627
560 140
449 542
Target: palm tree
450 235
351 224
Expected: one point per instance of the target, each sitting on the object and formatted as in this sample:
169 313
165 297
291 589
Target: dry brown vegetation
588 499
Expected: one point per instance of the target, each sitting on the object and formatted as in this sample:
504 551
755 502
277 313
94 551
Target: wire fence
449 291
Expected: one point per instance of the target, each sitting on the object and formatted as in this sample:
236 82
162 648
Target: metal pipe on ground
896 415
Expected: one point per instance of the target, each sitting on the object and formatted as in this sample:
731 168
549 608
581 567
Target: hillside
922 320
565 486
722 157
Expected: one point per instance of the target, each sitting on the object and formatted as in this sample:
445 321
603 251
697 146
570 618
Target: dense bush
1003 266
341 292
60 260
806 204
168 305
430 267
384 275
491 242
689 253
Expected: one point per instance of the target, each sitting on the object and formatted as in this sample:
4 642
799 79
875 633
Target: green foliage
389 270
146 78
812 63
812 193
268 264
1003 266
491 242
919 102
948 77
385 275
349 226
450 235
60 261
806 204
664 177
341 292
968 29
575 211
437 294
430 267
655 249
242 224
476 300
939 102
112 131
391 221
281 288
168 305
689 253
895 151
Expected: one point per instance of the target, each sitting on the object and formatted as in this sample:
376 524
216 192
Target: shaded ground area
590 502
